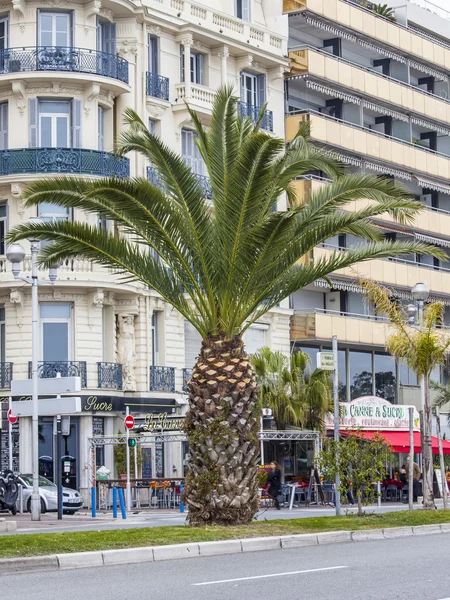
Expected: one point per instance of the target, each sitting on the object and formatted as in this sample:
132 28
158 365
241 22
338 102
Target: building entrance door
69 449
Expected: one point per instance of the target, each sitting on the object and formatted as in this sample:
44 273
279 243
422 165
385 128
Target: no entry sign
129 422
12 418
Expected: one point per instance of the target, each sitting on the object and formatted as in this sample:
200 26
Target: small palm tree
222 266
385 11
423 348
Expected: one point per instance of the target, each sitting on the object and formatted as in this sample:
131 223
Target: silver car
72 500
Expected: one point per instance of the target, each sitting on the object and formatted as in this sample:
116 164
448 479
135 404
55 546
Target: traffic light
131 442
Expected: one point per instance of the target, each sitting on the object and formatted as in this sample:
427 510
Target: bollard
20 499
114 490
122 504
94 502
181 498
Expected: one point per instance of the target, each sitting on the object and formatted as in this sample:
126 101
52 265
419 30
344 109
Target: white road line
272 575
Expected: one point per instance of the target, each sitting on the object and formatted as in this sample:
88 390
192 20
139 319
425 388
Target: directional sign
12 418
129 422
325 361
48 407
46 385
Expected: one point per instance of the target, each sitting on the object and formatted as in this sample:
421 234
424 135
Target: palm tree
385 11
423 348
221 264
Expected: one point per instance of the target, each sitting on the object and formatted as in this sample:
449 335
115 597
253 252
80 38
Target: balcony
187 376
157 86
250 111
70 368
315 324
203 180
162 379
109 376
6 372
366 24
361 141
433 220
63 160
63 59
199 97
359 79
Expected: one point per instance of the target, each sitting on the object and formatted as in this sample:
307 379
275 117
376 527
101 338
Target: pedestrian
402 475
416 478
274 483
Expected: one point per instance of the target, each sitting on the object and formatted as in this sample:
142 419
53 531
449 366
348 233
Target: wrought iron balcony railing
157 86
109 376
69 368
63 160
162 379
187 375
252 111
6 370
153 177
62 58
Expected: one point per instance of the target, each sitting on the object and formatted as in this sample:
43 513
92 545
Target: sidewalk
82 521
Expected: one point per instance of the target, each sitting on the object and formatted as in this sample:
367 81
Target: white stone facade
64 85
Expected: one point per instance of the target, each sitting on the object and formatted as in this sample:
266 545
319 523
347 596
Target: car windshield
43 481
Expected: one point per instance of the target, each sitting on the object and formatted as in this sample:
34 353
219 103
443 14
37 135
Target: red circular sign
13 419
129 422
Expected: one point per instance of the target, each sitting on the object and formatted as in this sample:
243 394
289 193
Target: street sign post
129 422
12 418
326 361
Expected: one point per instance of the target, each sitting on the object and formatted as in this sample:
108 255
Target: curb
81 560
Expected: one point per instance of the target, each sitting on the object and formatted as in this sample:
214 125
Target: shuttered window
255 338
192 344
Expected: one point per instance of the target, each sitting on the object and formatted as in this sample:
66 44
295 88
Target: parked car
72 500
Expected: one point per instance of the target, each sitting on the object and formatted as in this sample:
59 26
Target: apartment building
68 70
376 93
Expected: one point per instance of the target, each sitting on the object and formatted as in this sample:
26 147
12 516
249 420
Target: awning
399 440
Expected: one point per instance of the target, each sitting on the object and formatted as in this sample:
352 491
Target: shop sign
325 361
371 412
162 422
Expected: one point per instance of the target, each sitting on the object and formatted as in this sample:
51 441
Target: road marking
271 575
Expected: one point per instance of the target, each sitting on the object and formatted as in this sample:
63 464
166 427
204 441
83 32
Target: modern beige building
376 93
68 70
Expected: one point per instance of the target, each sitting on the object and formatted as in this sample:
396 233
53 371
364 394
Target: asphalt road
414 568
83 522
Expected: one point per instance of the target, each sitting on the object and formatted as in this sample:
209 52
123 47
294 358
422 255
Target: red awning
399 440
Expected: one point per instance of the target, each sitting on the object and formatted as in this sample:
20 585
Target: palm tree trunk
427 454
221 427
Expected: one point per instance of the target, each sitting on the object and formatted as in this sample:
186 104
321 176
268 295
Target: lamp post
16 254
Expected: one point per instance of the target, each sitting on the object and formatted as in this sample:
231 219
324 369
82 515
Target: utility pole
441 460
336 421
128 489
59 467
411 459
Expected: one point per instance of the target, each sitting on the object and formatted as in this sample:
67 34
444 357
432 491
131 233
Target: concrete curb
80 560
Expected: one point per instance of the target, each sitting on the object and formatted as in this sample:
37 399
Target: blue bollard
94 502
181 498
122 504
115 502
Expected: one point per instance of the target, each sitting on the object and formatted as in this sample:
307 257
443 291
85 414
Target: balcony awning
434 185
430 125
393 230
381 50
386 111
383 169
345 158
329 28
399 440
420 237
340 284
428 70
332 92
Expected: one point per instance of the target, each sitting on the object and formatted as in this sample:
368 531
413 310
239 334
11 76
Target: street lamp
16 254
420 293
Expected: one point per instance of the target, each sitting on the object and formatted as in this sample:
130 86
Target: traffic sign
129 422
12 418
46 385
325 361
48 407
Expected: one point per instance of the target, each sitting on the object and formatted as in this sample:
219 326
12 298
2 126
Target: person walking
416 478
274 483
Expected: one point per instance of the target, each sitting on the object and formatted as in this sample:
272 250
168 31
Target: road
412 568
153 518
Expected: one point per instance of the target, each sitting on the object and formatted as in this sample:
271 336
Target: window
3 226
54 29
2 334
243 9
155 345
4 32
407 375
54 124
101 128
152 126
192 344
360 374
253 89
56 331
255 337
4 126
196 66
385 377
153 54
48 212
106 37
190 153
